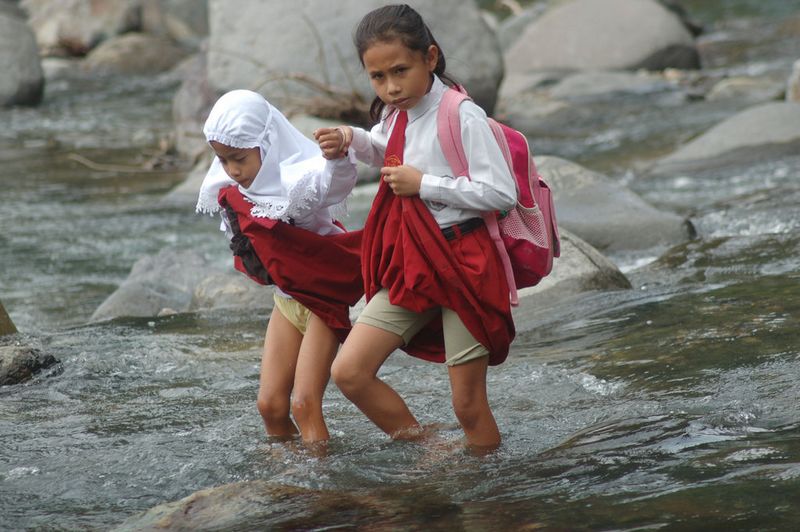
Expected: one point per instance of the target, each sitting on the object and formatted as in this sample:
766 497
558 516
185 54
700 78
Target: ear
432 57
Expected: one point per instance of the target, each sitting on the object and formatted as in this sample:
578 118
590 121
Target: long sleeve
369 147
337 180
490 185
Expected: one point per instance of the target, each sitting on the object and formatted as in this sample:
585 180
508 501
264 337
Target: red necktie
397 141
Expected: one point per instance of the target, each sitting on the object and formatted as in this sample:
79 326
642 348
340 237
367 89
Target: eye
376 75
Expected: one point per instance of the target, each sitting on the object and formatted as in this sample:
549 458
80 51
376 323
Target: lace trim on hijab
229 140
299 200
339 211
207 204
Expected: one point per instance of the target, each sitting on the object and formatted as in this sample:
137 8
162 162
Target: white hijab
244 119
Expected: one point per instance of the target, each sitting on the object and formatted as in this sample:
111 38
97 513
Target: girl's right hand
334 141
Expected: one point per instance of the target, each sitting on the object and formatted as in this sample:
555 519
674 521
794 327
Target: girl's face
400 76
241 164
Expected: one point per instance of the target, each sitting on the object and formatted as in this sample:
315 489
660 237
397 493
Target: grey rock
135 53
190 106
184 21
166 280
607 215
314 38
594 85
230 290
73 27
753 90
22 79
19 363
581 268
764 130
604 35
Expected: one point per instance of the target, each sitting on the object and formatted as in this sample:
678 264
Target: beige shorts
459 345
293 311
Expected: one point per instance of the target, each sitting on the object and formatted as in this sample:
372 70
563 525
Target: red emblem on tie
392 160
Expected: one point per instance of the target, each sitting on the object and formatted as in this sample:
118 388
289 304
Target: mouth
400 102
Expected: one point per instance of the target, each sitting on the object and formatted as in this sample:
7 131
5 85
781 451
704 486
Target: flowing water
674 404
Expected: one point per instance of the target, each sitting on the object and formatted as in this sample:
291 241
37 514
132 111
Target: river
671 405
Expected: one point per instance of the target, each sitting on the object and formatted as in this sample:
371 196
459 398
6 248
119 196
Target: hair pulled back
396 22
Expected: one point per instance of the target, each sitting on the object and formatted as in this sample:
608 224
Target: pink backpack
527 237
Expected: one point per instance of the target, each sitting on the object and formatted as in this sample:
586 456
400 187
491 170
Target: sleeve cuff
341 162
361 140
429 188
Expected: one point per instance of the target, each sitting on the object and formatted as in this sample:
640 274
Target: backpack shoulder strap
448 124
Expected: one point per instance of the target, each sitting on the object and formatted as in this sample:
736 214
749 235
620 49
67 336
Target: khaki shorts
459 345
293 311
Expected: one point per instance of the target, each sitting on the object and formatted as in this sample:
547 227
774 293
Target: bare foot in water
283 448
423 432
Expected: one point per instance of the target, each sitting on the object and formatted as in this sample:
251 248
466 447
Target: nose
394 87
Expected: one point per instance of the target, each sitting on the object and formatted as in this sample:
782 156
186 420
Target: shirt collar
429 100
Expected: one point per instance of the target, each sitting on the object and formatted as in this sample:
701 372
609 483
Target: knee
468 410
272 408
349 378
305 407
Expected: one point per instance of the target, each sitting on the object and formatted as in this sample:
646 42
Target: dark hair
401 22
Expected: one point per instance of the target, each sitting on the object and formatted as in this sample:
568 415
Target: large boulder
19 363
22 79
135 53
609 216
267 505
190 108
73 27
183 21
157 284
174 281
294 51
604 35
581 268
764 130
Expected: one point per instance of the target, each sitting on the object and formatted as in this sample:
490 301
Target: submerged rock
263 505
19 363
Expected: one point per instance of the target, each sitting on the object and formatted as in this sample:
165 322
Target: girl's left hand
403 180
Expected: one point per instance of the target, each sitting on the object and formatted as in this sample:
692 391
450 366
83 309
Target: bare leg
311 377
471 404
281 347
355 372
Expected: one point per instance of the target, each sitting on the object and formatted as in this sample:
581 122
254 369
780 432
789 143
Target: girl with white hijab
264 165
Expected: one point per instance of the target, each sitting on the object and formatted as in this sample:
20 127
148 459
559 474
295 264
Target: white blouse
317 198
451 199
